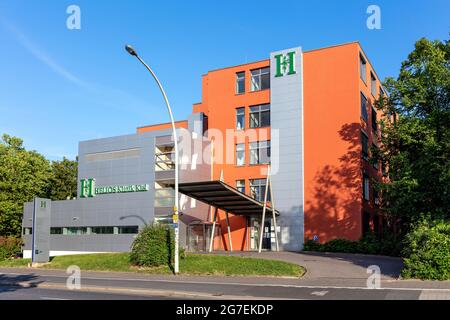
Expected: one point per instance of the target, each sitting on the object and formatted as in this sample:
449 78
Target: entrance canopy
224 197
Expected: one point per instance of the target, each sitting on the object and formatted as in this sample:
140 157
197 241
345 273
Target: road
31 284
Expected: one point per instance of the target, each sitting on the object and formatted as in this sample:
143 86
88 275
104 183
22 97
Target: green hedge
427 251
9 247
154 246
369 244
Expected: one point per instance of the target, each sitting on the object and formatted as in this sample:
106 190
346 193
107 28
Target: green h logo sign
87 188
285 64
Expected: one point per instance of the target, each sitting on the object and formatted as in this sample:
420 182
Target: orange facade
333 167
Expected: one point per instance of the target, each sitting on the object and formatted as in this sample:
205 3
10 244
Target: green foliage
427 251
9 247
369 244
154 246
63 181
415 139
23 176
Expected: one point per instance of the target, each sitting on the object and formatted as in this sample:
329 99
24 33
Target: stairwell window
240 118
366 187
240 154
260 79
365 145
362 68
373 84
240 82
364 114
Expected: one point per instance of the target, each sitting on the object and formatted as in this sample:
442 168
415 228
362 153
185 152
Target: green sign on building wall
88 188
285 64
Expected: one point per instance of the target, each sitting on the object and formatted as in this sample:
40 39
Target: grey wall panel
287 149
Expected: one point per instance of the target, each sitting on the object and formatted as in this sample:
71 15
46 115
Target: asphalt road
26 284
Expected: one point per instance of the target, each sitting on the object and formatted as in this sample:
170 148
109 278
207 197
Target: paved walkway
334 265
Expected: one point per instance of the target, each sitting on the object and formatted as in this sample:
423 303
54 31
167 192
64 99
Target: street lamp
133 52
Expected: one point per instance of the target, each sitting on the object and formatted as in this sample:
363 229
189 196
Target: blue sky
61 86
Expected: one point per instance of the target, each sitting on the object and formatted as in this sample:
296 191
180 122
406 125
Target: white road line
246 284
50 298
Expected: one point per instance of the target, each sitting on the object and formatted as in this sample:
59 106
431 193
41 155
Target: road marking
319 293
245 284
50 298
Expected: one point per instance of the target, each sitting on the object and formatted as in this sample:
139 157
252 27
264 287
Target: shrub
369 244
427 251
154 246
9 247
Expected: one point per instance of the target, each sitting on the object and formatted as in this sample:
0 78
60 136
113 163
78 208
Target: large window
240 154
362 68
129 230
260 152
258 189
260 116
240 82
240 185
75 231
240 119
365 145
56 230
102 230
260 79
364 114
373 84
366 187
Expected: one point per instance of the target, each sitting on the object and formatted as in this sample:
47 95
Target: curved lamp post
133 52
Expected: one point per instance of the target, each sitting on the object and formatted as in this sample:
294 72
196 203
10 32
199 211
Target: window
374 119
260 79
260 116
240 154
75 231
240 119
258 189
27 231
240 185
102 230
373 84
365 145
260 152
381 92
366 186
129 230
240 82
56 230
364 114
376 200
362 68
383 168
375 164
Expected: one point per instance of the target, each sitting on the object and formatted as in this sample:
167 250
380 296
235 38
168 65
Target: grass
193 264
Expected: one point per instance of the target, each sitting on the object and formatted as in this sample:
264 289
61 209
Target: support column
229 232
211 242
274 215
263 214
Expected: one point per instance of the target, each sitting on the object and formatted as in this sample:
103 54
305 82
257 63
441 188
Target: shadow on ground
10 283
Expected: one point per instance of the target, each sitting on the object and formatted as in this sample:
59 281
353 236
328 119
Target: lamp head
131 50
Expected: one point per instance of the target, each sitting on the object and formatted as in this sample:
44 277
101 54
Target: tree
23 176
63 181
415 138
